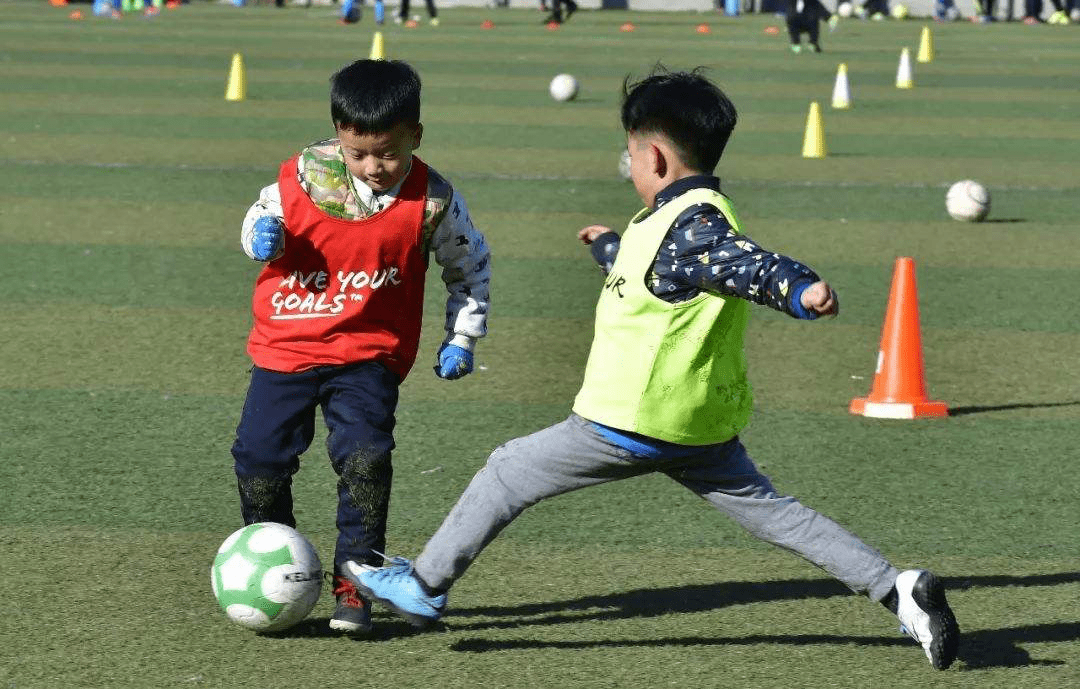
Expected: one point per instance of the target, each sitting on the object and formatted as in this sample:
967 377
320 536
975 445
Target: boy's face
380 160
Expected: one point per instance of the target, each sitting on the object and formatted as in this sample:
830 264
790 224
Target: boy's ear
658 160
418 135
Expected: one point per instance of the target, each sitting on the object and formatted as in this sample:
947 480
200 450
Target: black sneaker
352 614
926 617
571 7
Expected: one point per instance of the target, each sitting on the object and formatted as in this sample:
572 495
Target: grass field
122 364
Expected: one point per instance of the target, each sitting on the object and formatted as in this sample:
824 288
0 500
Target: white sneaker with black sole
926 617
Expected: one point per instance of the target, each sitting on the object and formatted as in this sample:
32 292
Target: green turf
122 366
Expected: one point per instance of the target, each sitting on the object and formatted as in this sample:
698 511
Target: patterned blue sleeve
604 249
705 254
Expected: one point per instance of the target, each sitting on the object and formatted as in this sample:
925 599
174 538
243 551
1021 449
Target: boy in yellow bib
665 386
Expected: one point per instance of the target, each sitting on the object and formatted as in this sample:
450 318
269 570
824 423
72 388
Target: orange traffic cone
899 390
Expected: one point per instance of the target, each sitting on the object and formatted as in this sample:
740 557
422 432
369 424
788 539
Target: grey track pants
572 455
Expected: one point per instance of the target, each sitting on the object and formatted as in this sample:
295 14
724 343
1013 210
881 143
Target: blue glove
266 238
454 362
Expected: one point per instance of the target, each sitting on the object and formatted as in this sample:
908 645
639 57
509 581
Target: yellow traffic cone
236 89
378 52
841 93
814 139
926 46
903 72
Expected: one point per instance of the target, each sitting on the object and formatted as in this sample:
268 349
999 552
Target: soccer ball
967 200
563 87
845 9
624 164
1074 15
899 11
266 576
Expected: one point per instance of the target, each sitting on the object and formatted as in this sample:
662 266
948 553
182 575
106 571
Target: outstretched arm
705 253
463 253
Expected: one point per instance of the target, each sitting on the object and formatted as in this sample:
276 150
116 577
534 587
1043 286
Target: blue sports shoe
397 587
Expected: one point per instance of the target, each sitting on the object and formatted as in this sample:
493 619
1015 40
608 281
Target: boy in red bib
345 234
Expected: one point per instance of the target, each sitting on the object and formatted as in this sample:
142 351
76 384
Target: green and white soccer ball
266 576
967 200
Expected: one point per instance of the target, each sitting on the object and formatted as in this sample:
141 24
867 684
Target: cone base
898 410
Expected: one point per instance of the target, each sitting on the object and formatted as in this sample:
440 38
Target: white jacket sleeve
269 203
463 253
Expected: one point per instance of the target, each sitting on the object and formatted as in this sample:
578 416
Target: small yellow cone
841 93
903 72
814 139
378 51
236 89
926 46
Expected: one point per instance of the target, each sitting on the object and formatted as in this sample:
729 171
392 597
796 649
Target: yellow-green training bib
675 372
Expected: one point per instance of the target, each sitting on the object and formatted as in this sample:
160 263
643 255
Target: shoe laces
397 567
346 592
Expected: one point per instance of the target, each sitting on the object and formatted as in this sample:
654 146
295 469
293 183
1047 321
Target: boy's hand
267 238
590 233
820 299
454 362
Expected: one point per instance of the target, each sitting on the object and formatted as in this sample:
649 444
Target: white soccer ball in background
563 87
899 11
266 576
624 164
845 9
1074 15
967 200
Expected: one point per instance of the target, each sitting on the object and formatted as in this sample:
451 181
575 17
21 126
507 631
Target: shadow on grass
962 411
978 649
385 628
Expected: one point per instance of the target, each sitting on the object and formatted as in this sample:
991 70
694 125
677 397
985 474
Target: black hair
687 108
371 96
